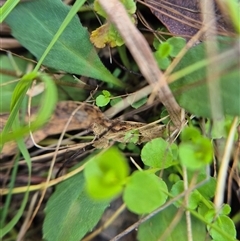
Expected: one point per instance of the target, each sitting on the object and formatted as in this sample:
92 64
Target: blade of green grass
22 147
8 6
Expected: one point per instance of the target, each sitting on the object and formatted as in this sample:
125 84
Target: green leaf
193 200
191 90
190 133
102 100
70 212
106 173
7 7
164 50
208 189
177 44
195 155
144 192
106 93
163 63
12 64
226 225
159 154
45 110
195 150
155 227
130 6
73 51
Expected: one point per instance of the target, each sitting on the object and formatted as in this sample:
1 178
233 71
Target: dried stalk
143 56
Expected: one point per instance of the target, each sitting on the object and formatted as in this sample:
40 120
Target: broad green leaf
191 89
106 174
70 212
159 154
144 192
155 227
73 51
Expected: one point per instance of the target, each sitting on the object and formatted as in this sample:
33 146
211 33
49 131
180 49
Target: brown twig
142 54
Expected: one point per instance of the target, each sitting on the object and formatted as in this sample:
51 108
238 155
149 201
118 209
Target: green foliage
106 174
70 212
7 7
159 154
61 42
222 222
104 99
14 64
167 50
144 192
195 150
191 90
13 130
72 52
45 110
194 198
156 226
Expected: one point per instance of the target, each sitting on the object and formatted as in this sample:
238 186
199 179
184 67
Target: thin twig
222 175
142 54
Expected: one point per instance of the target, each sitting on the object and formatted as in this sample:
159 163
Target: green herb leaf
155 227
194 198
164 50
144 192
177 44
191 90
159 154
106 174
195 151
226 225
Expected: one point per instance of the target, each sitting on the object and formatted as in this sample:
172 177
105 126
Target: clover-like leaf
144 192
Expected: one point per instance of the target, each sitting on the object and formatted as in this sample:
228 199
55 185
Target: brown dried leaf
86 116
183 17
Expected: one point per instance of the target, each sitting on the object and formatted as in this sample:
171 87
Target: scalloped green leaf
106 173
144 192
159 154
73 51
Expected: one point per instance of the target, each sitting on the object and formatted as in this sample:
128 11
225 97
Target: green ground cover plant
172 178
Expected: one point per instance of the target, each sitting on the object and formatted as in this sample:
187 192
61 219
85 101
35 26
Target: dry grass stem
142 54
